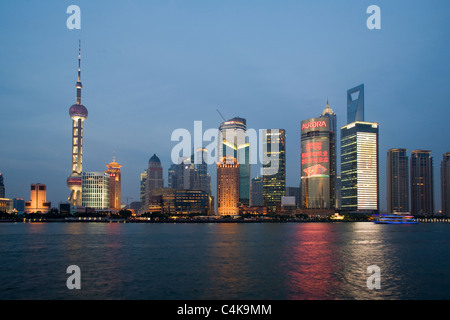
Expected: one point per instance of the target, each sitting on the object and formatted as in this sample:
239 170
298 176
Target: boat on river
395 218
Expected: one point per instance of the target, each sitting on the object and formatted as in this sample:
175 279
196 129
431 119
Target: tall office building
115 182
355 104
318 164
257 192
233 144
2 186
397 180
38 199
445 184
172 176
78 113
228 187
95 193
188 175
359 167
203 177
155 179
274 174
422 191
329 113
143 186
338 192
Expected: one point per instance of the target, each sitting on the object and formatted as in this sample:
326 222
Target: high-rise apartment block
422 189
445 184
397 180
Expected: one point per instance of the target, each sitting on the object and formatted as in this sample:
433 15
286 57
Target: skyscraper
359 167
257 192
78 113
355 104
318 164
228 187
2 186
445 184
38 199
115 182
422 193
143 186
274 174
233 144
397 180
155 179
329 113
204 179
95 193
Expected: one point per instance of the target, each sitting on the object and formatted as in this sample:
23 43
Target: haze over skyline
149 68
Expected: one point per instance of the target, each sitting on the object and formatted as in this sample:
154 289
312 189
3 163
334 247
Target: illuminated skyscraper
78 113
355 104
143 186
359 167
422 190
318 164
38 197
95 190
397 176
329 113
274 172
228 187
155 179
445 184
233 144
114 184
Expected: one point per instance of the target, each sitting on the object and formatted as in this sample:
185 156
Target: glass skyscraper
257 192
274 175
233 144
422 190
397 180
359 167
355 104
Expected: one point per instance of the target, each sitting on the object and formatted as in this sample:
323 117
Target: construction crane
221 115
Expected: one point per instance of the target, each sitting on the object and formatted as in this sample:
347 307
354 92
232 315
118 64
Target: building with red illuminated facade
318 164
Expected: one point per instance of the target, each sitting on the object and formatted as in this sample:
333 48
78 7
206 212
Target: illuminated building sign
313 124
314 154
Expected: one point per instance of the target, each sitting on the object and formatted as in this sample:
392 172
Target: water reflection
227 271
224 261
312 260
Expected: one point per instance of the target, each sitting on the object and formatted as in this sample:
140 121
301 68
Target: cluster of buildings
322 189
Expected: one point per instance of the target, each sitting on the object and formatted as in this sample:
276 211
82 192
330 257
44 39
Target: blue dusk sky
150 67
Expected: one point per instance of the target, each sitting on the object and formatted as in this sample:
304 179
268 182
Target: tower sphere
78 111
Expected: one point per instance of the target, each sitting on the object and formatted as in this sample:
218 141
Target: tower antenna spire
79 85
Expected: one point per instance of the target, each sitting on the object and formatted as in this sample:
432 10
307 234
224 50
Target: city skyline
277 84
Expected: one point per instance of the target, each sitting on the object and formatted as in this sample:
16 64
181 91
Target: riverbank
204 220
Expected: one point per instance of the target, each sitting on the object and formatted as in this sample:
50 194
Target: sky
151 67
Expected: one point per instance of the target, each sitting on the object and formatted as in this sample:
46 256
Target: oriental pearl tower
78 113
